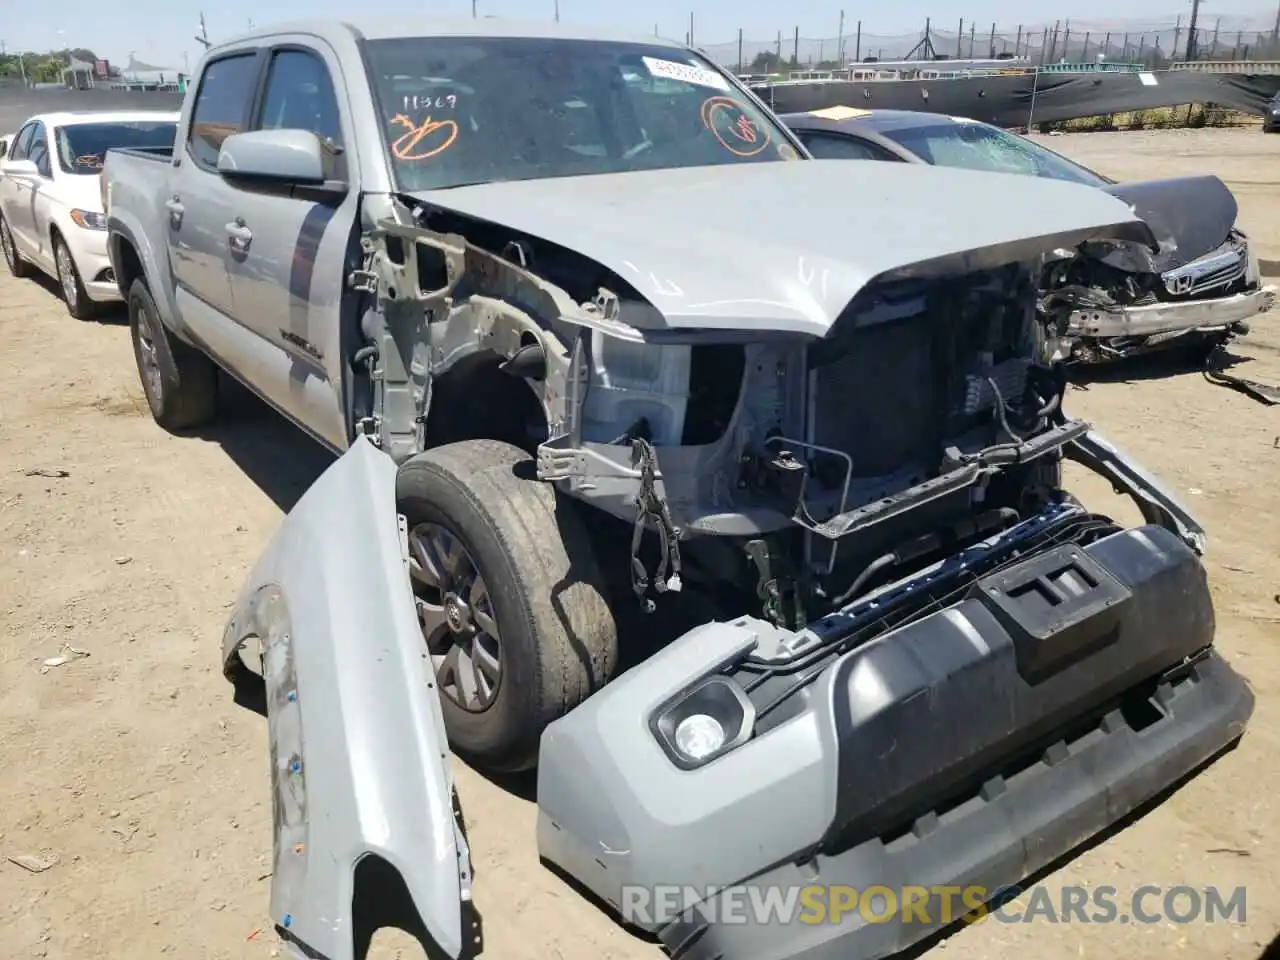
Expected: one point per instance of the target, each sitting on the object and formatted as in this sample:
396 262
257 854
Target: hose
961 530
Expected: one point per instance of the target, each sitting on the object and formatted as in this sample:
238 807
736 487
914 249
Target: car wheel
180 382
512 605
73 294
17 266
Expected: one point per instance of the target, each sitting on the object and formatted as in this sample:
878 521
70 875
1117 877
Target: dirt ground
136 771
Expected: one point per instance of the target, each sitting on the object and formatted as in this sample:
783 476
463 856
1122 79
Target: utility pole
473 9
203 38
991 45
1192 39
557 11
840 42
739 49
857 44
960 38
691 28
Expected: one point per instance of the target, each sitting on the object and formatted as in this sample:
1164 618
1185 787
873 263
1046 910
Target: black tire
180 382
559 642
17 266
70 283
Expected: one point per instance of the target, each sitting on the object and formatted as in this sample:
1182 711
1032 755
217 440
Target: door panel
26 231
287 264
15 193
200 204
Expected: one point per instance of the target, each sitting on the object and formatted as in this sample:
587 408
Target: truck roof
384 28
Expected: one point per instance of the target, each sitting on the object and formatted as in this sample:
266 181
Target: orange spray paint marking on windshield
729 123
422 141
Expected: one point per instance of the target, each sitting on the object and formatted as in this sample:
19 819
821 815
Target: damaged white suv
561 299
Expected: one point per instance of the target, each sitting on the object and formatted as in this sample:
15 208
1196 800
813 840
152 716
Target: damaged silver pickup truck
559 301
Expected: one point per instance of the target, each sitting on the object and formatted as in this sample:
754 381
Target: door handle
238 235
176 210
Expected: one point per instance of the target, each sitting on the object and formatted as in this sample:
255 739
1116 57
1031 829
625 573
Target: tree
766 61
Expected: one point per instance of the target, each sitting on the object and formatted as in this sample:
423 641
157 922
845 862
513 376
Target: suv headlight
89 219
704 722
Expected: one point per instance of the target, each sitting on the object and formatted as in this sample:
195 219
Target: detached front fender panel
358 749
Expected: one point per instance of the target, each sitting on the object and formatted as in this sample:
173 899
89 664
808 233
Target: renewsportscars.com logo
932 906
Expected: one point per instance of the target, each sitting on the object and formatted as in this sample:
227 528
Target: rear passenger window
222 105
299 96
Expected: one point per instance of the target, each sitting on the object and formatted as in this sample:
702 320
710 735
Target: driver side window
38 151
18 149
299 96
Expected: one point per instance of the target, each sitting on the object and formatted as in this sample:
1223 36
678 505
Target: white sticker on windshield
671 70
1148 79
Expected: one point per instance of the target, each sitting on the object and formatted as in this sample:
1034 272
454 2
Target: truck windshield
462 110
82 146
977 146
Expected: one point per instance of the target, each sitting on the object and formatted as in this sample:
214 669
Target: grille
1214 273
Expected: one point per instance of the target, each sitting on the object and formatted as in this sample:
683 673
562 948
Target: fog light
704 722
698 736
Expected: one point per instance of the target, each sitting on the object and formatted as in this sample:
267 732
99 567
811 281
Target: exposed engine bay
782 476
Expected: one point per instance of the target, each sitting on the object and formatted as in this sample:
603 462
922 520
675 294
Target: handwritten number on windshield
422 141
729 123
413 101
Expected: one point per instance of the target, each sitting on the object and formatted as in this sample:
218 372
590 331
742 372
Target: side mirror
278 157
21 168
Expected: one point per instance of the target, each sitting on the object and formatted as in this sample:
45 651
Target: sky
161 32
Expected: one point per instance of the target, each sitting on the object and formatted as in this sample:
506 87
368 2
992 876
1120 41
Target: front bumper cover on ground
963 749
1011 829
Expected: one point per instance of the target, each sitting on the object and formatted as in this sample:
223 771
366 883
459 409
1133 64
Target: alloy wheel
455 612
148 361
66 274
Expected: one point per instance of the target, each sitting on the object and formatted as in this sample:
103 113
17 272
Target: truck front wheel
180 382
511 602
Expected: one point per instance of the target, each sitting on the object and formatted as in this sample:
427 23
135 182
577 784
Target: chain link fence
1152 43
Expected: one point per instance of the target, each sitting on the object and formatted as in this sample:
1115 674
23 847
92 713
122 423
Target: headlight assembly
89 219
704 722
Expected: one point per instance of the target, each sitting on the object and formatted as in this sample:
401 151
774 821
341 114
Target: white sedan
51 215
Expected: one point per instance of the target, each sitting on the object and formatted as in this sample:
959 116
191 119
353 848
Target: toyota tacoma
596 370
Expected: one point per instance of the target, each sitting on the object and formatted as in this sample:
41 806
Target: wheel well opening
475 400
381 901
128 264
